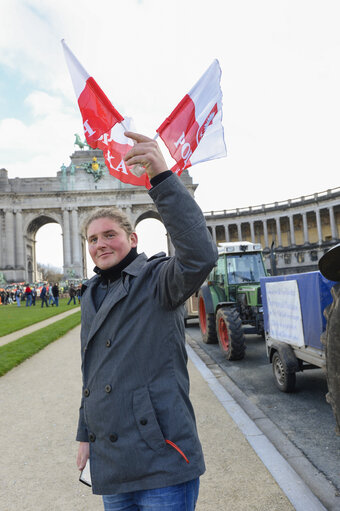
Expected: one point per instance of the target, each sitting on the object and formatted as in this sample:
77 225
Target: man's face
108 242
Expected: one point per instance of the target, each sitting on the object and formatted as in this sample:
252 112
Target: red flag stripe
100 94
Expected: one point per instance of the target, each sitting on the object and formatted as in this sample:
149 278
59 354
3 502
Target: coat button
143 422
108 388
92 437
86 392
113 437
108 343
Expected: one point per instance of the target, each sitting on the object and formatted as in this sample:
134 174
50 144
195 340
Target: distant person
50 295
55 291
34 295
43 296
72 295
28 295
17 297
79 293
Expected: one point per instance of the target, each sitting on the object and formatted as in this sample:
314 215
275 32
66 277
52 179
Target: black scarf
114 273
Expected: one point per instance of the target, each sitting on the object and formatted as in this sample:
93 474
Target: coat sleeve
82 433
195 251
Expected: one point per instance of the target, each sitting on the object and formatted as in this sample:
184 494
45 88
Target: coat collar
92 319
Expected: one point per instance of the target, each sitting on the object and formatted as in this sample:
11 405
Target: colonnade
304 228
258 228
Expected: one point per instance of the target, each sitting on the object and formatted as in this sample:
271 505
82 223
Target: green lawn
13 318
15 352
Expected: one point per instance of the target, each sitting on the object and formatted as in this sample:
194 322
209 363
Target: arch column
265 233
252 232
20 255
318 226
213 230
226 230
334 229
9 229
305 228
239 231
66 240
75 237
278 232
292 232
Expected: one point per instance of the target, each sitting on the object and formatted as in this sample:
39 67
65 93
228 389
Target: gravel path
39 403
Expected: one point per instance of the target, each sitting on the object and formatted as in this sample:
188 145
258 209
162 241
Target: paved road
303 416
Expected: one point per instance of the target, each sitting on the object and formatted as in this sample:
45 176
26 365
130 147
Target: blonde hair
114 213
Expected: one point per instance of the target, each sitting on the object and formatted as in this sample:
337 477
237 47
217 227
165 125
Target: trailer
294 322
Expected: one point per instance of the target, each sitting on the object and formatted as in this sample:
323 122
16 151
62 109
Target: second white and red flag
193 132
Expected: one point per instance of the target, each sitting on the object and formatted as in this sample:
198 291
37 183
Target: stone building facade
294 233
26 204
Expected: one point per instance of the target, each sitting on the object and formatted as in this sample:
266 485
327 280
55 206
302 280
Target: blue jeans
181 497
28 300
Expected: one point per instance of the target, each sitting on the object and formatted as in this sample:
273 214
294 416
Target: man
43 296
50 295
34 295
136 422
28 294
17 296
72 295
55 291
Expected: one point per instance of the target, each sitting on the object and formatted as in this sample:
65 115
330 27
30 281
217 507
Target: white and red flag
98 114
193 132
115 145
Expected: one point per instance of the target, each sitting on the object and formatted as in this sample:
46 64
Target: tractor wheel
331 340
230 334
207 322
284 380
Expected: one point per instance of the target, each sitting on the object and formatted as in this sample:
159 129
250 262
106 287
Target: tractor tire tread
331 339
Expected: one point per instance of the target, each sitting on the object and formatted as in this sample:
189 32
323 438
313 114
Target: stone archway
30 245
151 231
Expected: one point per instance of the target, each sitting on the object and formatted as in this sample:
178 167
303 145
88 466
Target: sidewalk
39 401
37 326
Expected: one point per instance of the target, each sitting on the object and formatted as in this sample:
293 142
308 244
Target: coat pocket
146 420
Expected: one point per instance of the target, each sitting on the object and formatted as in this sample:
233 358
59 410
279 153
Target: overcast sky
280 81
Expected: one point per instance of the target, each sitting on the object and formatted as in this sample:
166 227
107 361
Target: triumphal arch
26 204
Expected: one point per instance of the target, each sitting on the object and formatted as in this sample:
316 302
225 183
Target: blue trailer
293 307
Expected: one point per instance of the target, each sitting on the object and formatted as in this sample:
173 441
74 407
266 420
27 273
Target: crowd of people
48 295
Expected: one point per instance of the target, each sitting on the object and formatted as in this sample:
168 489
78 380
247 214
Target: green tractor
229 303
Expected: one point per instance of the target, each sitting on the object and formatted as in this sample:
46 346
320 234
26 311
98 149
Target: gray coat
135 380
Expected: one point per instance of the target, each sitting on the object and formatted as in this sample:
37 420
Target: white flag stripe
212 145
117 132
205 94
207 91
78 73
